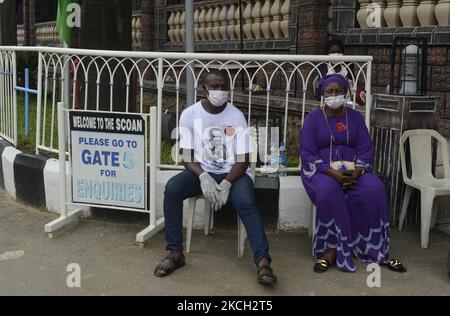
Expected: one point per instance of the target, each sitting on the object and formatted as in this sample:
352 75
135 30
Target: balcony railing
47 34
261 19
397 13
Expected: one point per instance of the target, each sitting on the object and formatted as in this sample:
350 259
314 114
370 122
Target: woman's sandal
168 265
265 275
395 265
321 265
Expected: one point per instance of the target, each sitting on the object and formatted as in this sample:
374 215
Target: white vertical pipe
54 104
39 101
368 92
2 94
160 85
62 159
8 97
66 82
286 118
15 98
153 162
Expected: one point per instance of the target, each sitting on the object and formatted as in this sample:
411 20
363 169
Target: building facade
280 27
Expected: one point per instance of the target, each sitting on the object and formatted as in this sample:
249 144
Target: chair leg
190 222
405 204
434 214
313 226
426 206
311 221
207 217
242 235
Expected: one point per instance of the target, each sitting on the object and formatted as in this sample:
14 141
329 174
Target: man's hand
209 187
224 191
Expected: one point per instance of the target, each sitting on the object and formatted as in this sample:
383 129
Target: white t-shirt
216 139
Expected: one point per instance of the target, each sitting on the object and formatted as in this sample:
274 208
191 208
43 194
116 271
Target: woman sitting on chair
352 209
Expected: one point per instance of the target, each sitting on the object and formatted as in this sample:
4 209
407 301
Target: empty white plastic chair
420 142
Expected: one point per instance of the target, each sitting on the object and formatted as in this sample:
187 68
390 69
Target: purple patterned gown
355 221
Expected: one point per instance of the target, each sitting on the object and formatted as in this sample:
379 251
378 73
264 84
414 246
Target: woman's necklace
332 139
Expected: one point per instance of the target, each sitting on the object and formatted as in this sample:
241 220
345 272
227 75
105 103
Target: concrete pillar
148 25
312 26
32 22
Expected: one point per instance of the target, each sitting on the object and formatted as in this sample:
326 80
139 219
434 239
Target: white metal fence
8 102
112 80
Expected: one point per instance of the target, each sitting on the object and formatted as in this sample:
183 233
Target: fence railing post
62 159
14 98
368 93
39 100
153 164
160 85
66 81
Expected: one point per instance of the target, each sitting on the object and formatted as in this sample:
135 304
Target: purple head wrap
333 78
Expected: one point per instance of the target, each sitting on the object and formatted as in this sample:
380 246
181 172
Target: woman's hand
337 175
346 178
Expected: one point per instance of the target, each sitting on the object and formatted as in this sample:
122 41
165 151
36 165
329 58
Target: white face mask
217 97
335 102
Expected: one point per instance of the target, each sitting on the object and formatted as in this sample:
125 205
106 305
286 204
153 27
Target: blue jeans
186 184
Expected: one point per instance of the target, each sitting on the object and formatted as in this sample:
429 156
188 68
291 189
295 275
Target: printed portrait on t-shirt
215 151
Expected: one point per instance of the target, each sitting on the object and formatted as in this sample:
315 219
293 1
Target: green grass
27 143
166 150
292 161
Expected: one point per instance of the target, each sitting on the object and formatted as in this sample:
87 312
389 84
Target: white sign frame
150 184
145 208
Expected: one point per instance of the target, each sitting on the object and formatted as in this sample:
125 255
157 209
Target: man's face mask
335 102
217 97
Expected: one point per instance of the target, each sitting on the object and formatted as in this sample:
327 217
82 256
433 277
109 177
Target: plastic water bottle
273 162
282 160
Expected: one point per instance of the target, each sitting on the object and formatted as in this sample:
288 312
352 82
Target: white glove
224 190
209 187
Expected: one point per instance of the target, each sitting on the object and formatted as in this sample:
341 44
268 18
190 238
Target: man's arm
239 168
190 163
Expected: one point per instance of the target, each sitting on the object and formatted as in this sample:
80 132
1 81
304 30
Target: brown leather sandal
168 265
265 275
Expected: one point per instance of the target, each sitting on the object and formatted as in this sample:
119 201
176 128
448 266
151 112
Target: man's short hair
216 73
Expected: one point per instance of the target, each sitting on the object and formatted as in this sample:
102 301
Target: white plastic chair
312 225
312 220
208 224
422 178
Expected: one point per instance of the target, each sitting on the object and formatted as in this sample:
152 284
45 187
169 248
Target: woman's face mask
335 102
217 97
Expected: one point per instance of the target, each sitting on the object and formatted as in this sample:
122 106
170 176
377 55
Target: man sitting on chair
216 147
